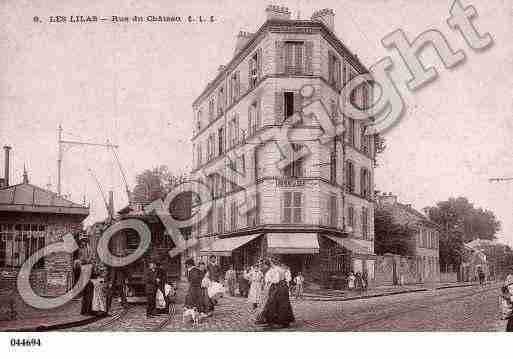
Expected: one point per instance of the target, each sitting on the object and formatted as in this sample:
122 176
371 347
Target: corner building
316 213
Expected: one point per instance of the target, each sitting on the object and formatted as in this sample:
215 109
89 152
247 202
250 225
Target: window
253 118
350 215
254 66
211 114
233 218
233 131
364 183
232 164
220 219
351 132
295 168
332 203
18 243
210 222
198 120
288 103
349 176
294 61
210 147
364 141
234 87
333 164
365 223
292 207
252 214
220 135
334 70
220 102
198 157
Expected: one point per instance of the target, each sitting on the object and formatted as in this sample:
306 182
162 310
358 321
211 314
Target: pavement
380 291
461 308
68 316
31 319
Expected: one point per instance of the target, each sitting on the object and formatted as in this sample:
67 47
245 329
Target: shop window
19 242
292 207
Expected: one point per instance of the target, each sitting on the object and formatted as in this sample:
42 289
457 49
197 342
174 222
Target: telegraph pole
61 149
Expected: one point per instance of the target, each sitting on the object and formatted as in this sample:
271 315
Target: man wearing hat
507 303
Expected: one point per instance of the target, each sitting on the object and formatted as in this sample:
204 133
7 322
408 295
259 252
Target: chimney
387 199
274 12
241 40
25 175
326 16
6 172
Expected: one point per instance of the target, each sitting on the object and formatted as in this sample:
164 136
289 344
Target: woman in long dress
256 278
194 298
99 303
87 296
277 312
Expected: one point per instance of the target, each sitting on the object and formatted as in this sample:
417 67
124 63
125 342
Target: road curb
341 299
58 326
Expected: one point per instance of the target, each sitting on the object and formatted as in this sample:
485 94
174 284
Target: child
299 280
506 302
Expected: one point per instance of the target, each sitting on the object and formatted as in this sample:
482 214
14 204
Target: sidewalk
343 295
32 320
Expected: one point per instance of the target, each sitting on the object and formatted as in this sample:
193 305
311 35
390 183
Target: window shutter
259 64
249 72
331 68
299 59
236 129
362 181
298 102
278 108
237 85
337 79
280 56
258 114
308 57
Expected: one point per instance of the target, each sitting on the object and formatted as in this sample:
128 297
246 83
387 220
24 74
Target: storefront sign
289 182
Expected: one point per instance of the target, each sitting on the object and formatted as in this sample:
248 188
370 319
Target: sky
134 84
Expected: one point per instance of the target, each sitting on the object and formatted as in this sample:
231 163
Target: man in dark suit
152 283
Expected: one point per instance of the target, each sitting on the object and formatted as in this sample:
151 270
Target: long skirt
87 299
99 298
197 297
255 292
277 309
509 325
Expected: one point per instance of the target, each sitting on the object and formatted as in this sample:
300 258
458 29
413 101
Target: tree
460 222
390 237
155 183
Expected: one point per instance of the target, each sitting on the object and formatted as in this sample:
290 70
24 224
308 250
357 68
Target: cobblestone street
456 309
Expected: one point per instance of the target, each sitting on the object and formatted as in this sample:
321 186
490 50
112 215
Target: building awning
350 245
224 246
292 243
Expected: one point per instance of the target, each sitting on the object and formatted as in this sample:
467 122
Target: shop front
324 260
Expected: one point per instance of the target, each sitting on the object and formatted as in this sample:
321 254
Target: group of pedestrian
204 286
102 287
357 281
276 308
159 292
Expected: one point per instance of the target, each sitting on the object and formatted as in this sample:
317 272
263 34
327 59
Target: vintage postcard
293 166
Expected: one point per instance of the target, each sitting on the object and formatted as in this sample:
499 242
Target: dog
191 314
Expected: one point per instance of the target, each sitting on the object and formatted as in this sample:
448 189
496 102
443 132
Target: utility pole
68 144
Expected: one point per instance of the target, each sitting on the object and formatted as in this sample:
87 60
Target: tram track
406 307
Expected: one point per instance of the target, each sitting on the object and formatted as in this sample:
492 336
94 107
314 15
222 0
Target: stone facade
424 246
